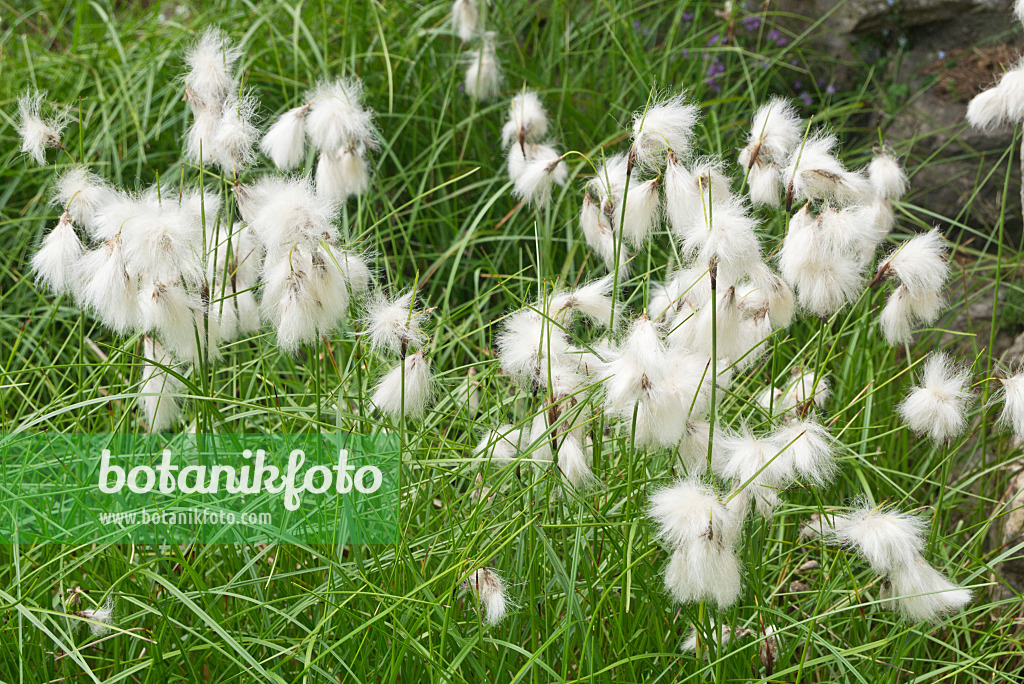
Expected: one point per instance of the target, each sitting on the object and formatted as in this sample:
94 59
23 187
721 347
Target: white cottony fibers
723 634
100 618
162 407
922 265
641 363
922 593
690 196
808 448
1000 105
107 288
643 209
702 533
82 194
897 317
526 341
231 147
171 311
391 395
765 184
813 172
489 588
466 19
337 118
887 178
598 230
572 462
289 299
985 110
56 262
164 244
887 538
394 324
36 133
693 447
341 175
283 213
210 62
938 406
483 71
756 464
501 446
527 120
1018 10
775 132
667 125
593 300
1013 404
285 142
535 172
824 275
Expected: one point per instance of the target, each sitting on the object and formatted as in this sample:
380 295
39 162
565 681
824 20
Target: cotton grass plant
613 469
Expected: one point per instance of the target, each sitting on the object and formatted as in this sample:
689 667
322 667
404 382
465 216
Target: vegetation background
585 571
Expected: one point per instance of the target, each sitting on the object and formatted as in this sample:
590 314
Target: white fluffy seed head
82 194
765 184
527 120
489 588
642 212
808 448
37 134
502 445
466 19
897 318
573 462
56 263
285 141
536 172
234 139
937 407
160 403
824 276
210 63
921 264
689 513
483 70
341 175
985 110
287 212
394 397
394 325
593 300
888 179
664 126
1000 105
923 594
107 289
814 173
887 538
337 118
775 132
1013 404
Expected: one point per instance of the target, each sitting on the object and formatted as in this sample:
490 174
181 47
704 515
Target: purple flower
751 23
713 40
798 84
831 90
820 81
806 97
684 53
687 16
